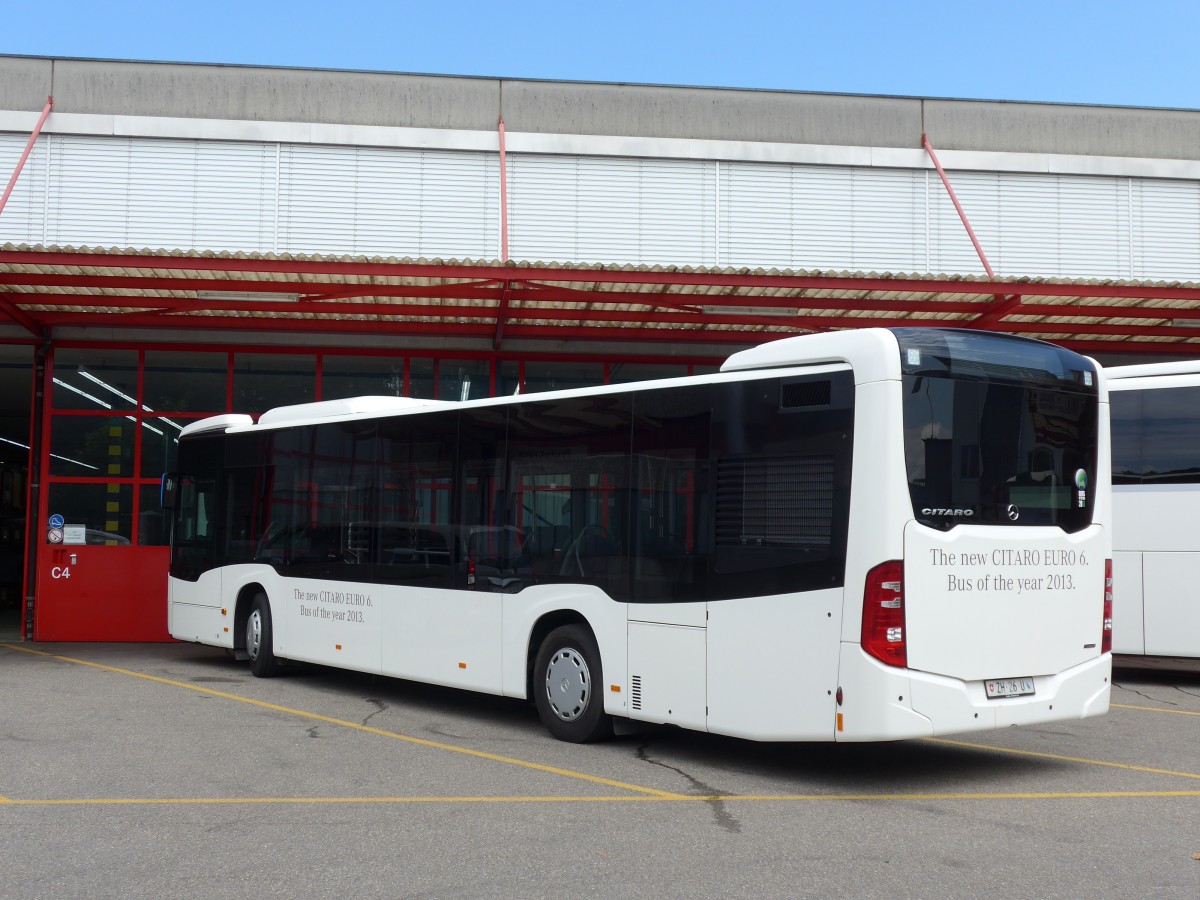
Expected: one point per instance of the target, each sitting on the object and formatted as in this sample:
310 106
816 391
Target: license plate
1008 687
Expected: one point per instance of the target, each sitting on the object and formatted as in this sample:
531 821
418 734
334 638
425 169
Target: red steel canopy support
37 129
502 315
49 289
11 310
1004 305
958 206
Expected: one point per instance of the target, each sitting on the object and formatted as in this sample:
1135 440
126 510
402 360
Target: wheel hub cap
568 684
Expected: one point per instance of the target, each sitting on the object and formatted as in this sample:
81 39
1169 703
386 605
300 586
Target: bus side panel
1148 517
446 637
1163 588
605 617
773 666
329 621
666 674
194 611
1172 623
1129 634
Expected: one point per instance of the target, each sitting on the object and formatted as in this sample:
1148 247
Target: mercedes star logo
1014 512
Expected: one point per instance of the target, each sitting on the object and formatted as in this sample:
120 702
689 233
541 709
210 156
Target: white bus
865 535
1156 507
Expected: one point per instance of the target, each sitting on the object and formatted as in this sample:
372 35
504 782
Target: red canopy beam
779 282
1002 308
22 318
677 323
533 275
625 331
529 304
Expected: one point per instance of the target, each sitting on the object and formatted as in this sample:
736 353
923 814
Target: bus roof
1150 370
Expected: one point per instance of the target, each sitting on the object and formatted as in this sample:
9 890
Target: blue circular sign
56 521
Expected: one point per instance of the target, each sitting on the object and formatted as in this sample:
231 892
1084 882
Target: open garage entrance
134 346
16 378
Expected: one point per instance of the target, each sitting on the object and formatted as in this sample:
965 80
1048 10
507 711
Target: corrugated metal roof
45 287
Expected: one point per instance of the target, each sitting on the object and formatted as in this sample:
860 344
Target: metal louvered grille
800 394
635 692
775 500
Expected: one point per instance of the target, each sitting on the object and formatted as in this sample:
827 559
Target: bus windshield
1006 436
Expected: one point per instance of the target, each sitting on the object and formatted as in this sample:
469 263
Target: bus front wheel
259 646
566 685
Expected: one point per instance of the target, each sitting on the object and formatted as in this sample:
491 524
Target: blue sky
1135 54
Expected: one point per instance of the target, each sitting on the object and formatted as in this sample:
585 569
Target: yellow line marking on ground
1176 712
675 798
1075 759
316 717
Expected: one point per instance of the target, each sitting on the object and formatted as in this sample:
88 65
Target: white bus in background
1156 508
864 535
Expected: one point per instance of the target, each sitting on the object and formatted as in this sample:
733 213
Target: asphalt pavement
167 770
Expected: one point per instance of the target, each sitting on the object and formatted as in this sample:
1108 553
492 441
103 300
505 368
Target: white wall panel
161 194
1166 223
950 248
611 210
22 221
1023 238
317 199
823 217
308 198
822 204
89 192
888 220
1094 227
388 202
235 196
758 215
459 206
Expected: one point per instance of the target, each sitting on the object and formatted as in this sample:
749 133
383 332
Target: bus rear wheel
259 640
566 686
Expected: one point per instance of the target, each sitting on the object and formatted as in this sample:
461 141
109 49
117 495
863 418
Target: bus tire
566 686
259 638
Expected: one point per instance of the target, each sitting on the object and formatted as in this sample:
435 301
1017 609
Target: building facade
184 240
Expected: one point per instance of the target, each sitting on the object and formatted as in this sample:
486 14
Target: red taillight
883 614
1106 634
470 572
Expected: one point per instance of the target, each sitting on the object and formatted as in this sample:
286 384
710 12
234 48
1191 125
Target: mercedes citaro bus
854 536
1156 506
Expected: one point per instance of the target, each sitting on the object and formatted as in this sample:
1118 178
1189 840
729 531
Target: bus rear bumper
923 705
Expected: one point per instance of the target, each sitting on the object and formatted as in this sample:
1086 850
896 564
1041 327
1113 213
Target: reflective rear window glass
998 430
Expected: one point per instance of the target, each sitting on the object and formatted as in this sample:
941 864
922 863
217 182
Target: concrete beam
1063 129
710 114
251 94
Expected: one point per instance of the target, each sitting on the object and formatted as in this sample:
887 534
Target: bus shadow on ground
878 768
911 766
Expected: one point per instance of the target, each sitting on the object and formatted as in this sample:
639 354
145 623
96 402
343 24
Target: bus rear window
1001 444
